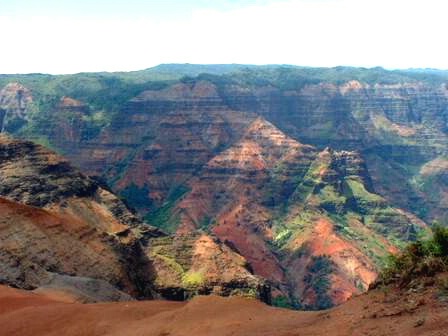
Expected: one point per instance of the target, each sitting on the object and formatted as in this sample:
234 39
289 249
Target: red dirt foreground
422 310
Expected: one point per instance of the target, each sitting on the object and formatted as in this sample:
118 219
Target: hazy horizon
224 64
64 37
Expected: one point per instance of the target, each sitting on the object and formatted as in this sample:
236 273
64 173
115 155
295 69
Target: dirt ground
420 311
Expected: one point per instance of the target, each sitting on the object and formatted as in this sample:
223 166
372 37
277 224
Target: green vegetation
288 74
283 302
282 184
102 91
351 226
136 197
318 280
164 217
177 192
331 200
176 257
282 237
193 279
172 263
105 94
363 198
247 292
292 77
311 179
206 222
424 257
387 132
287 229
432 185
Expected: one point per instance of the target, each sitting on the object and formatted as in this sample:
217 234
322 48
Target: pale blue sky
116 8
67 36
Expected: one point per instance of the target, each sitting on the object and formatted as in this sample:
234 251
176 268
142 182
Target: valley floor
418 311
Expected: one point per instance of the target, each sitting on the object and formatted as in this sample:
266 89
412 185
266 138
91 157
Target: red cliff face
230 195
189 124
48 242
57 221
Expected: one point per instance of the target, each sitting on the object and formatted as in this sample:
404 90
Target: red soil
421 311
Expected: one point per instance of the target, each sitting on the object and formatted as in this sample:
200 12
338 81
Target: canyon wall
307 179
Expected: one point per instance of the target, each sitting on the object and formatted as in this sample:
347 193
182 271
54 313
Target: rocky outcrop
197 263
15 106
191 124
37 243
80 289
232 194
34 176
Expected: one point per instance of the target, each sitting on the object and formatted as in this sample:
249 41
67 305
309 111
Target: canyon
294 181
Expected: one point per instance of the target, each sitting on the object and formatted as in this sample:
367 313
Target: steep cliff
56 220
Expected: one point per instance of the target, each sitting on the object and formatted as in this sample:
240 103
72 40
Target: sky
66 36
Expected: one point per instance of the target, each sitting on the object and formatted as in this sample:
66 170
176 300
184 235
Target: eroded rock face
81 289
161 138
236 189
60 231
15 104
189 124
196 263
56 220
34 176
37 242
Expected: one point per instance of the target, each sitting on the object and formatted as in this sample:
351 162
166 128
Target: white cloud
394 34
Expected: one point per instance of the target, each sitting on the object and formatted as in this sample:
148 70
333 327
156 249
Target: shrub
193 279
420 258
440 241
282 302
318 280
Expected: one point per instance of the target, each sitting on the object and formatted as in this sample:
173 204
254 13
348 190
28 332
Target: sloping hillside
421 311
